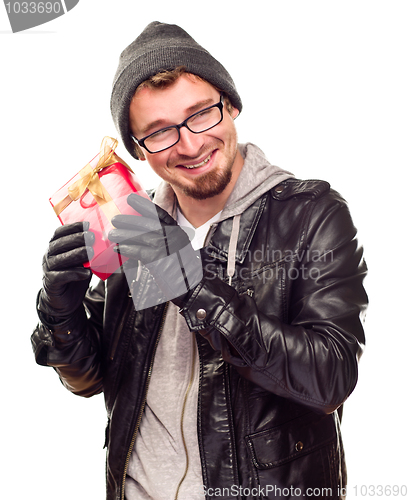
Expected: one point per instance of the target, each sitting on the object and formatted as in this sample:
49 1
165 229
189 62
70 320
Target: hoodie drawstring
231 257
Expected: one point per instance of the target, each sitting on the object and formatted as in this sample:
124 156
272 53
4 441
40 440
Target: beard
208 185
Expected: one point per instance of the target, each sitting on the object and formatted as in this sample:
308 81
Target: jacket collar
219 238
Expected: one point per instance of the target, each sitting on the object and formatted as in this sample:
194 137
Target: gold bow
89 180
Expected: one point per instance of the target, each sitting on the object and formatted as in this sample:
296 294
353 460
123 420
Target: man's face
201 165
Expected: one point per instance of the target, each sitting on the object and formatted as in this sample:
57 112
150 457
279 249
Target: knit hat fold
162 47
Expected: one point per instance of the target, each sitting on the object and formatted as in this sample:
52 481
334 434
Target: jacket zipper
192 372
138 422
119 330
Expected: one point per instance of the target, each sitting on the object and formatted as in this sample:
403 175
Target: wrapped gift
95 194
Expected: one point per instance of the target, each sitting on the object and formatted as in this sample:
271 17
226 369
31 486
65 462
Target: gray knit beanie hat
162 47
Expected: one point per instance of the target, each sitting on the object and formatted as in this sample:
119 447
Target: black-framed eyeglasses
197 123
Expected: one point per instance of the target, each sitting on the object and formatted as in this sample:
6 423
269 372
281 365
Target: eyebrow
189 111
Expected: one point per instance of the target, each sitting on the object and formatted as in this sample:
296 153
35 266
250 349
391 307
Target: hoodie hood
256 178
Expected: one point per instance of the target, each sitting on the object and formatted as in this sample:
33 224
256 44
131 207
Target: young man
224 360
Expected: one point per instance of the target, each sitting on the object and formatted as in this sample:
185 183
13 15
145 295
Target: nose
189 144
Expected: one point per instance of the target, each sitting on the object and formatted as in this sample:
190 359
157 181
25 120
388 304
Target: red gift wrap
95 194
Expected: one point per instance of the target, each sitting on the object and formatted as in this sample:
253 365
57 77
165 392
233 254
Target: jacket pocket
291 440
298 458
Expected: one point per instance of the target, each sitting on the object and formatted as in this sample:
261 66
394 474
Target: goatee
208 185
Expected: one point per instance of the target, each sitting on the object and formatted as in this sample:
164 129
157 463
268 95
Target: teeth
206 160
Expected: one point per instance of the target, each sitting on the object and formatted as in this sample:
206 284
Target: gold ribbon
89 180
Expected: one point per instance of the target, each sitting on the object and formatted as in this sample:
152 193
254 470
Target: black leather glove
157 241
65 280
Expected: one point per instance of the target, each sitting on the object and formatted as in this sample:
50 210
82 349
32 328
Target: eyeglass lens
199 122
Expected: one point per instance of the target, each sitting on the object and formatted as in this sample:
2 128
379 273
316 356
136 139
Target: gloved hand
65 280
157 241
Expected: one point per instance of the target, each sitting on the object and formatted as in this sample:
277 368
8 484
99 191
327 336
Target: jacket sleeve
73 348
313 358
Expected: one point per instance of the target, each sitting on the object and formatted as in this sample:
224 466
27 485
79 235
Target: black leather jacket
278 349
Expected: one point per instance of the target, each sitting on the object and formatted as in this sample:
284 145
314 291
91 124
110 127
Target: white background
325 92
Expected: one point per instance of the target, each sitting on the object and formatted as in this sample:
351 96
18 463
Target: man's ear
234 113
139 153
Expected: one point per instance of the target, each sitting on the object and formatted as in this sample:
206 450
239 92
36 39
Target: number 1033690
33 7
373 490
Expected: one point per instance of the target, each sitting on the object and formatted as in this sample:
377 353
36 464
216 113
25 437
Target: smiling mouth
198 165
